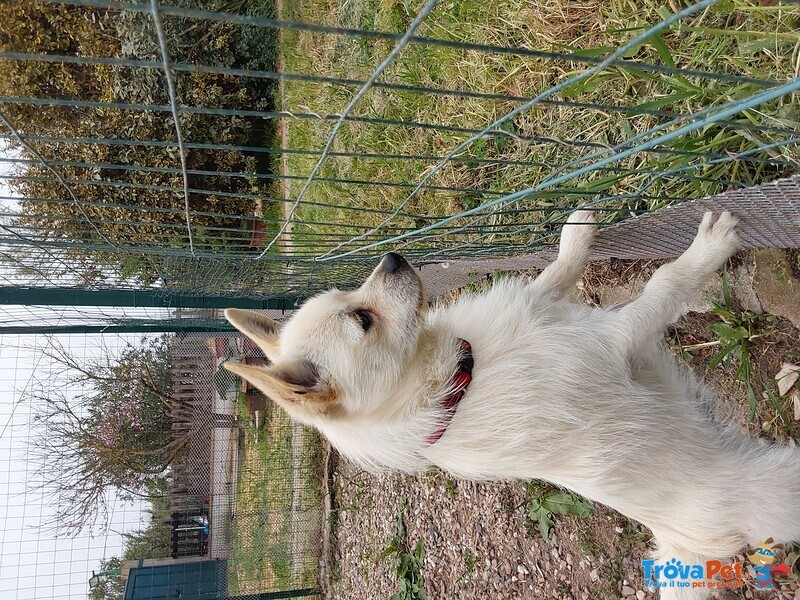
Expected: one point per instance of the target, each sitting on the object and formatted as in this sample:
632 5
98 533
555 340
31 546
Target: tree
111 587
116 435
154 541
130 194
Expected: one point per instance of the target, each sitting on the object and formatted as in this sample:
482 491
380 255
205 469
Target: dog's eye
364 318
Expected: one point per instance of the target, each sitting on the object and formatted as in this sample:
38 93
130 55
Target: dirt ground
478 540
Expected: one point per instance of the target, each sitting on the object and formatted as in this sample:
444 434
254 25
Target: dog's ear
259 328
295 385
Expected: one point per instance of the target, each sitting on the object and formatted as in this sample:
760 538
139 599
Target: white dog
517 383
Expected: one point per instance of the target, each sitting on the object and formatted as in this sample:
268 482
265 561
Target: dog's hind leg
574 248
666 554
666 295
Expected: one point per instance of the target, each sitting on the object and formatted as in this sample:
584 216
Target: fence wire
237 513
462 145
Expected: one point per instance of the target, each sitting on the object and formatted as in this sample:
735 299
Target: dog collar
458 384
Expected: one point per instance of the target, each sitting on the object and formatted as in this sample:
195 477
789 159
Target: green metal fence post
143 298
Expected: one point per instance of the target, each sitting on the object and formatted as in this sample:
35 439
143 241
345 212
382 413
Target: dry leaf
787 377
796 403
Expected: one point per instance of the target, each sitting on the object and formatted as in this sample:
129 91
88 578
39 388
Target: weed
735 332
544 501
790 427
628 541
451 487
470 560
359 483
406 562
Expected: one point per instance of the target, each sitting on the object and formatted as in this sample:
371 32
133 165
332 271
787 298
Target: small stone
640 595
593 575
628 591
522 570
619 529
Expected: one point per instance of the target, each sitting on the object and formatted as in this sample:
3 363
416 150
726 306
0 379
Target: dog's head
342 352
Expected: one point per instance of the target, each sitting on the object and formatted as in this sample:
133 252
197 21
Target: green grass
735 331
264 545
741 38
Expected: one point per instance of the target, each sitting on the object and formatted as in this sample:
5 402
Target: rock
774 284
593 575
628 591
640 595
741 286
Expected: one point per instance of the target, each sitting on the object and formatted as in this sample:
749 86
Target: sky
33 563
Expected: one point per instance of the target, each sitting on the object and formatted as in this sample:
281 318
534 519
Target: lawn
739 38
278 507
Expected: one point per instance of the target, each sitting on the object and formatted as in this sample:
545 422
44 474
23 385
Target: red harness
459 383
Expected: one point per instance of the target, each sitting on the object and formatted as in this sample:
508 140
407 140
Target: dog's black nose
392 262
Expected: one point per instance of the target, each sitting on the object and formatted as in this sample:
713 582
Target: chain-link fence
248 474
220 148
231 504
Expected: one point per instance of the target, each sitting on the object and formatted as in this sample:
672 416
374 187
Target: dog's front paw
578 234
717 234
716 240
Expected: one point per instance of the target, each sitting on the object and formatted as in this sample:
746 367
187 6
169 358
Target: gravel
480 545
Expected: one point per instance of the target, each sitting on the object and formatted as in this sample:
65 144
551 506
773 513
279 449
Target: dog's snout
392 262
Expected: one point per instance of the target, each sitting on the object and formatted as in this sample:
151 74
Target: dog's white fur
582 397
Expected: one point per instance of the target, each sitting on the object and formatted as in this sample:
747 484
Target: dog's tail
754 498
773 488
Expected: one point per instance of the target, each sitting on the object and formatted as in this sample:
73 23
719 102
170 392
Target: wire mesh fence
248 474
196 155
161 160
228 503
